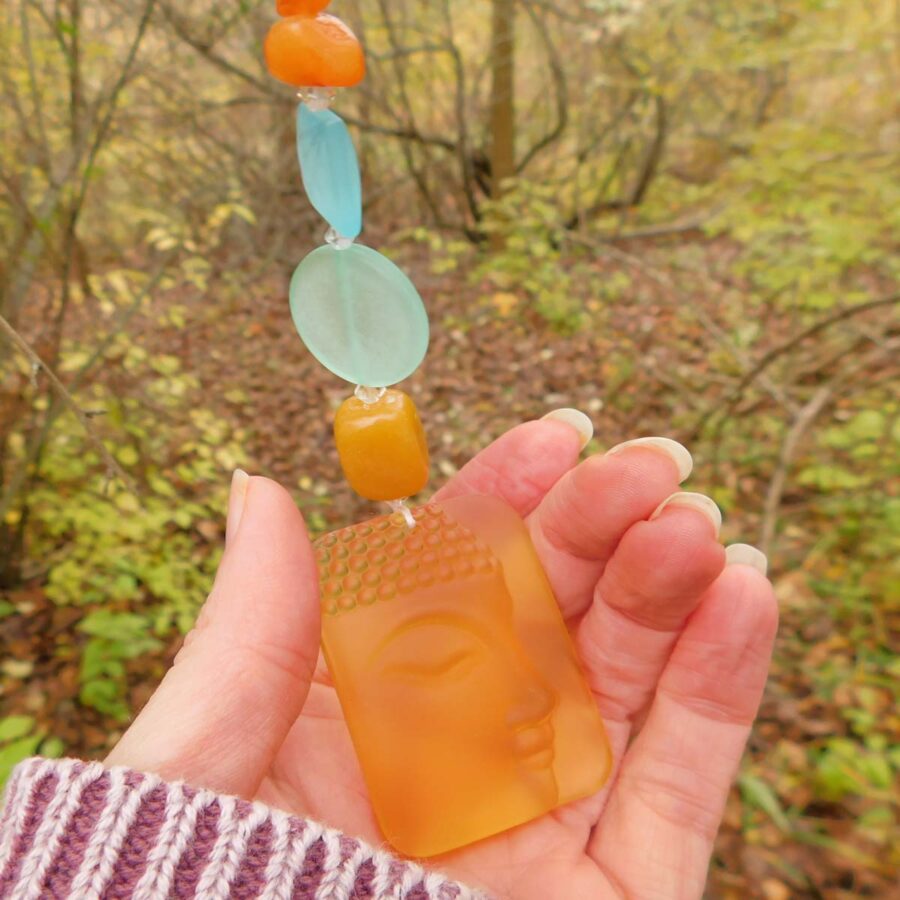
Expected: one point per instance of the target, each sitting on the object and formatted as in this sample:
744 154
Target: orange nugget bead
301 7
314 52
382 446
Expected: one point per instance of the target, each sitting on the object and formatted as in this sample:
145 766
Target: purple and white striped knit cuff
74 829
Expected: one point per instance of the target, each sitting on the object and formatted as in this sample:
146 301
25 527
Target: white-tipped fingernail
678 453
696 501
240 481
577 420
746 555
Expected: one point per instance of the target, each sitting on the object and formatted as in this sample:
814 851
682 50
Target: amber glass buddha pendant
457 676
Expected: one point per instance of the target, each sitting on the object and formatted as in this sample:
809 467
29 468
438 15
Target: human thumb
239 683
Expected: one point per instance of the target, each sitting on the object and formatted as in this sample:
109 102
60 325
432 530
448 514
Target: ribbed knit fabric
78 830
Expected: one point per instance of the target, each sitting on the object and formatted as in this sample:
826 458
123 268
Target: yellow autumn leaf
504 302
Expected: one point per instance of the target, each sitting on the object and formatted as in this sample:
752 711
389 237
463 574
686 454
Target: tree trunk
503 122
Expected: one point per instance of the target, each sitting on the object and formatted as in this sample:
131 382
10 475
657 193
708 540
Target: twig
672 290
655 231
105 122
560 89
724 408
466 163
653 154
37 363
58 406
804 419
837 384
274 95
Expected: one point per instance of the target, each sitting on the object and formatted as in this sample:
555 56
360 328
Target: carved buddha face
453 709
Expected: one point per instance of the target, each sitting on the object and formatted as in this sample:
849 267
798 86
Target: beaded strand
355 310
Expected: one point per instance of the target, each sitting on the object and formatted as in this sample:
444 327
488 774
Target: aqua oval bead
359 315
330 169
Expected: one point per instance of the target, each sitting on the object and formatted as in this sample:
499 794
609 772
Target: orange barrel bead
314 52
458 679
382 446
301 7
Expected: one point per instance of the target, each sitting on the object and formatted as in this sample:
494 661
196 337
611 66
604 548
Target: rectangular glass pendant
456 673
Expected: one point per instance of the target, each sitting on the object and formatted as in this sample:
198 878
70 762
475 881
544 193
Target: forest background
680 216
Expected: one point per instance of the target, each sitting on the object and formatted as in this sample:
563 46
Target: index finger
519 467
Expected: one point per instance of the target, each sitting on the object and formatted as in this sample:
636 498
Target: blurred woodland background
680 216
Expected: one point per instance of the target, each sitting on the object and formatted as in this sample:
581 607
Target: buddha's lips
533 744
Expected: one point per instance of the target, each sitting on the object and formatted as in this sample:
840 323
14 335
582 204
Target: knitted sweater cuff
74 829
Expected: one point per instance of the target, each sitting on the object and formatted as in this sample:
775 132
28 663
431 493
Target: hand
675 644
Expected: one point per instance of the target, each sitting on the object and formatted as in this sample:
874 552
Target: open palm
675 645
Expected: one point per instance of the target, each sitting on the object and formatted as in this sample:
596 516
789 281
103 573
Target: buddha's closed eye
445 666
432 648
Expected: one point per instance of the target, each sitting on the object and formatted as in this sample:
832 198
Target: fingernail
240 481
679 454
576 419
696 501
746 555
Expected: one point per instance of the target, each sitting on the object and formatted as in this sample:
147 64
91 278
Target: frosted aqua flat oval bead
330 169
359 315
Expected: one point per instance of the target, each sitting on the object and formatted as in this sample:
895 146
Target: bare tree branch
724 408
653 155
804 419
37 364
801 423
560 90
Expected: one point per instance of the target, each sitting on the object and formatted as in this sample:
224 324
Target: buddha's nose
534 702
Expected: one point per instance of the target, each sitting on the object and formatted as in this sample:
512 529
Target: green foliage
447 254
114 639
847 767
120 543
851 562
813 211
861 455
756 792
527 258
142 562
19 739
14 727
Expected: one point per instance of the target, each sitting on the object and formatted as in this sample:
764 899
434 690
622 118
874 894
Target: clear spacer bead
338 241
369 395
317 98
399 506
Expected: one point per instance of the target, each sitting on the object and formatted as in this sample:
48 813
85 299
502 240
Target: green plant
20 738
142 562
529 261
115 638
869 768
812 213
